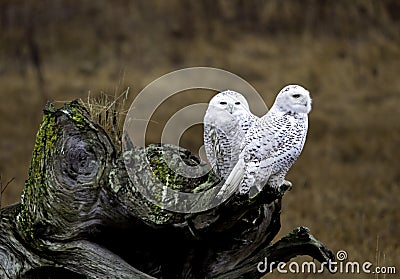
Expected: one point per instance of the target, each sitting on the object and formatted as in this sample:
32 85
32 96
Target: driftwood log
81 216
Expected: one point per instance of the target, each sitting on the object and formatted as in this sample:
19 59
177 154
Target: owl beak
230 108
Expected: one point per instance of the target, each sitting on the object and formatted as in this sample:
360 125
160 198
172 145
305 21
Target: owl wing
272 135
211 145
257 160
246 121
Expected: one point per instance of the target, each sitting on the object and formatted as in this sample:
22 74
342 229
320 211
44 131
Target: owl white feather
226 122
272 144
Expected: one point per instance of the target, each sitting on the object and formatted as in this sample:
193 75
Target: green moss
78 113
171 178
166 176
33 207
36 186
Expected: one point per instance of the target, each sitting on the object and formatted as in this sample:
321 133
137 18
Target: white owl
272 144
226 122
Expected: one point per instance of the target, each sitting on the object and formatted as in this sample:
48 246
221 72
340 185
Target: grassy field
347 180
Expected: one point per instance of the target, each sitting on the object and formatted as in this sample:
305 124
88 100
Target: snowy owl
272 144
226 122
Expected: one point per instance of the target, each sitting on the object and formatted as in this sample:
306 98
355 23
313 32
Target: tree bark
82 216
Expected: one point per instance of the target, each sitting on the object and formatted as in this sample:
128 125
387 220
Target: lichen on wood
81 214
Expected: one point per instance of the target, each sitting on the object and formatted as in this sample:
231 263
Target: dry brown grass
347 180
3 187
110 112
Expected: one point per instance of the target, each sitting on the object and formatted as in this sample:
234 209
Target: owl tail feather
233 181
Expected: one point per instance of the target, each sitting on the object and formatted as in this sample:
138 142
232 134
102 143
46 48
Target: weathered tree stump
81 216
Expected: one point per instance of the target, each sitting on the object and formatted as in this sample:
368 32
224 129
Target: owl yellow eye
223 103
237 103
296 96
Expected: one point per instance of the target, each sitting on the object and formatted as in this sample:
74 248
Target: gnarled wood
82 215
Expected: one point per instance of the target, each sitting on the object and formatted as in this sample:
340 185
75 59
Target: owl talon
286 186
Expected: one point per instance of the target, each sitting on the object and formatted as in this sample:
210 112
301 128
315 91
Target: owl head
294 99
230 101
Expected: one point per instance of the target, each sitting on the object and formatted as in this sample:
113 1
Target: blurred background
347 53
